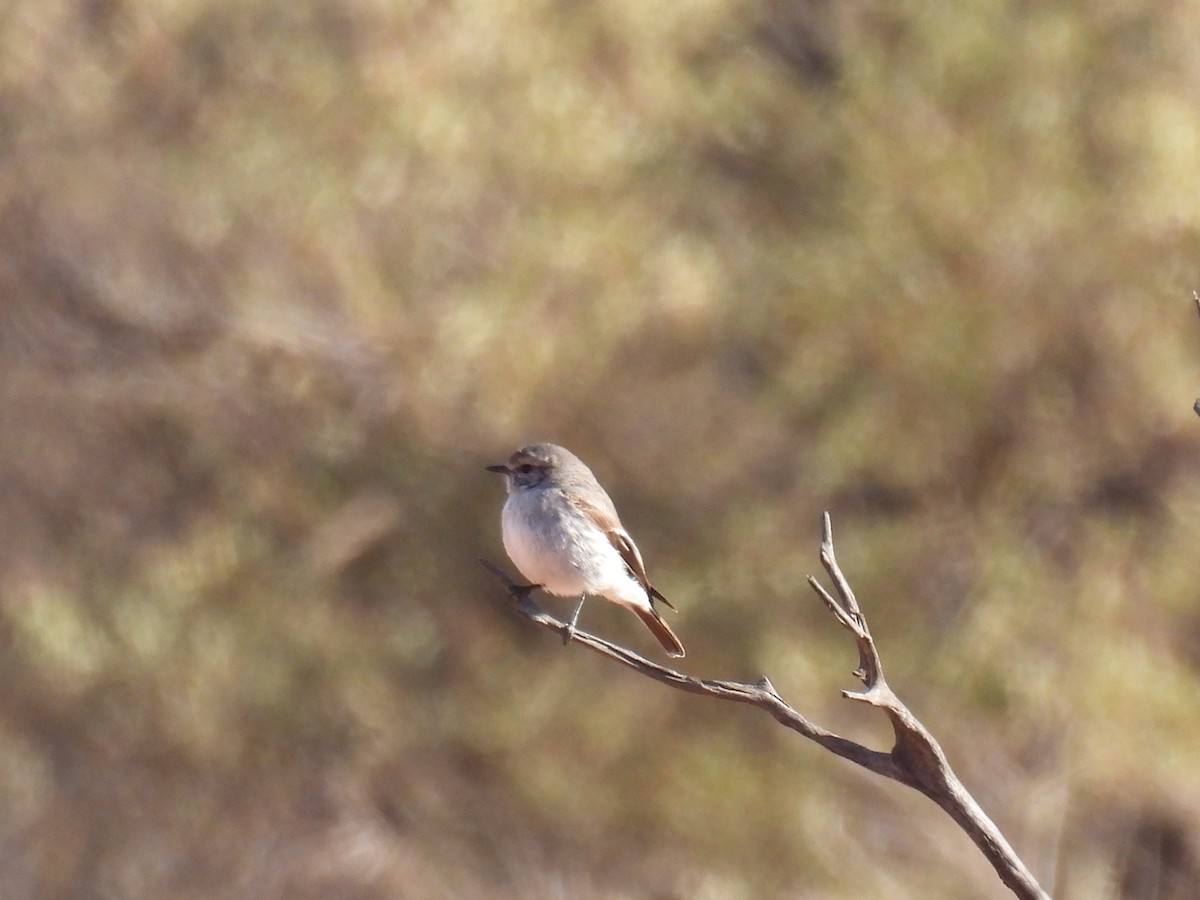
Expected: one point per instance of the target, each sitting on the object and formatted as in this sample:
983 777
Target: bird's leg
570 632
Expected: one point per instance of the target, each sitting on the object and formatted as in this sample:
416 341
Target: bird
561 530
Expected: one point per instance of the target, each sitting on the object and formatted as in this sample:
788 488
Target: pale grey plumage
561 529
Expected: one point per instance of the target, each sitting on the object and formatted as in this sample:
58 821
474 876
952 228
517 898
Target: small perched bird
562 531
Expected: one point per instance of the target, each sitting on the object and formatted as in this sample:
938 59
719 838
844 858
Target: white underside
556 546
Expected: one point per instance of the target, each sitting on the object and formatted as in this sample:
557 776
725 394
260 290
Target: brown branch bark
916 759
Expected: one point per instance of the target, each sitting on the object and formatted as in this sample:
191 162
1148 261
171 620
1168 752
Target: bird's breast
553 543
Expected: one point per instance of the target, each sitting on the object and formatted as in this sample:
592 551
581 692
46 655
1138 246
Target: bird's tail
661 630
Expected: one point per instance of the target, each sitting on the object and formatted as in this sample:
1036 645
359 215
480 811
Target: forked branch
915 760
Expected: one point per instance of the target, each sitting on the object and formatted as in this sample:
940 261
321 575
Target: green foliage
280 279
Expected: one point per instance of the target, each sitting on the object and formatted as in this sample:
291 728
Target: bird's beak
502 469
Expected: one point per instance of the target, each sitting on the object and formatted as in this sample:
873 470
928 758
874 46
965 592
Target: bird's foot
520 595
569 633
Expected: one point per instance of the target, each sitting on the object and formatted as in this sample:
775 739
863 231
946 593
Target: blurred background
279 280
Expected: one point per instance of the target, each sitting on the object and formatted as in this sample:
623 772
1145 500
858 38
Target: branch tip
496 571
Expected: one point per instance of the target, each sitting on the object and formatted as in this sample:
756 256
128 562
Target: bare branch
915 760
760 693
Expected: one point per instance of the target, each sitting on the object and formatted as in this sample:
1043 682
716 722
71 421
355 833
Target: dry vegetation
278 280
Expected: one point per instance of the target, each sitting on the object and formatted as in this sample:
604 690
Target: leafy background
279 280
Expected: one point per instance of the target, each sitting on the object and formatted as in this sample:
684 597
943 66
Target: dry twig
915 760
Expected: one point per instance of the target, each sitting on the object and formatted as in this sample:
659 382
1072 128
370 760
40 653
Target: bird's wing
620 539
604 515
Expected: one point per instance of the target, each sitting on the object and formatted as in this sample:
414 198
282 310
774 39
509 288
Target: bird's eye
525 468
